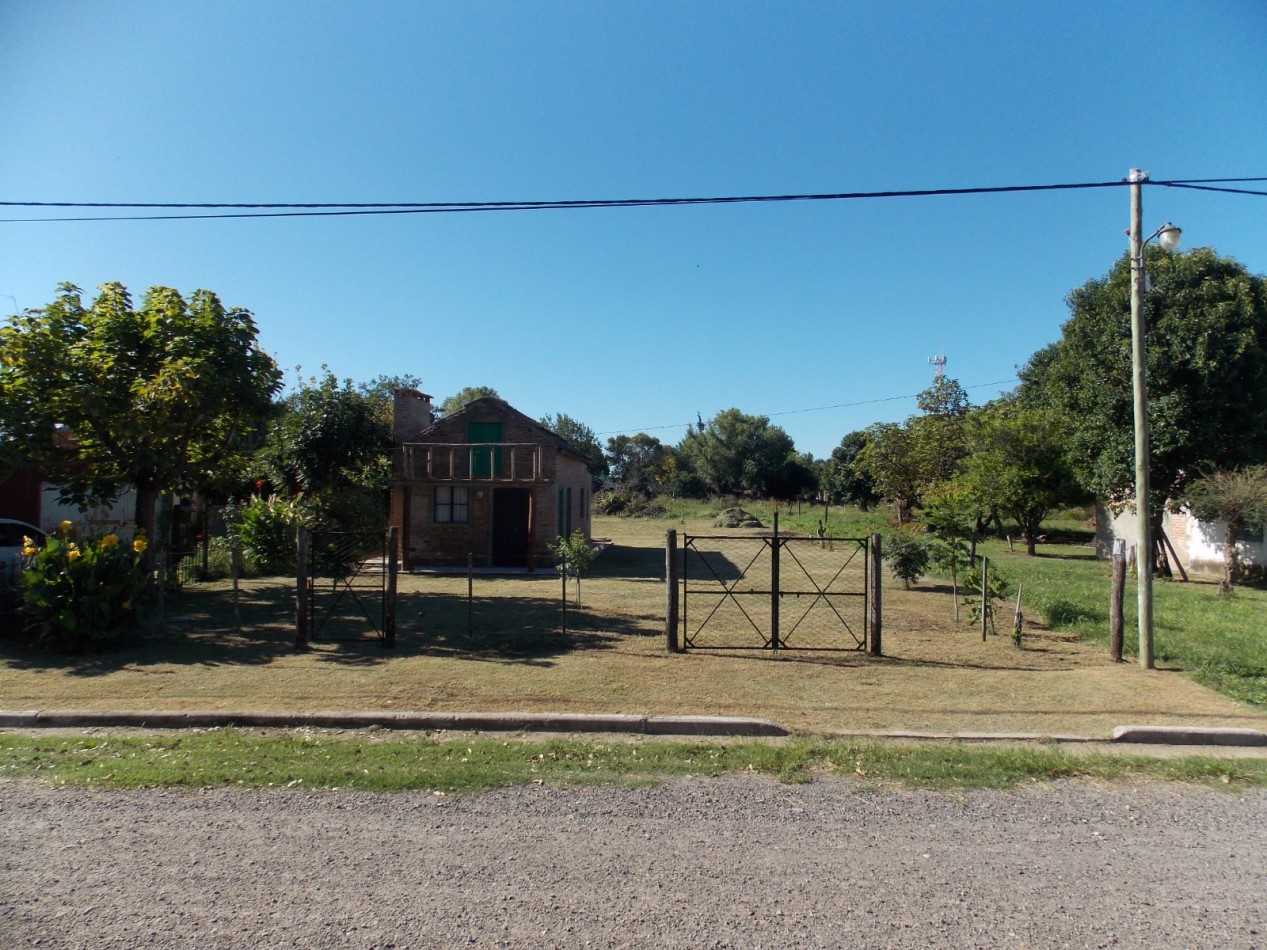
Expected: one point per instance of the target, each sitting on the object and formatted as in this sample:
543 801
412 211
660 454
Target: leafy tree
163 397
1238 498
637 462
1206 370
1016 464
735 452
381 391
462 397
842 480
907 554
902 461
332 443
582 437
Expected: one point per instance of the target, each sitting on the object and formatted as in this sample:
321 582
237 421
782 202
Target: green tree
843 480
1016 464
1238 498
332 443
462 397
1206 371
735 452
582 438
637 462
163 397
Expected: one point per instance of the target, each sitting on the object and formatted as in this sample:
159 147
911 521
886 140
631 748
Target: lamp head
1168 236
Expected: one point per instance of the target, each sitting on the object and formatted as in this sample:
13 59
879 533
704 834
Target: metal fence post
670 591
774 585
876 647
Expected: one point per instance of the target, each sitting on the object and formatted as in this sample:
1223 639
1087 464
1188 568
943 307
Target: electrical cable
791 412
316 209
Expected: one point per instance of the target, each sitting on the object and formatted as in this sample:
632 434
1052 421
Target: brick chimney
411 413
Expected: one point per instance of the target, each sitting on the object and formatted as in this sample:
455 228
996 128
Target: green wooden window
485 460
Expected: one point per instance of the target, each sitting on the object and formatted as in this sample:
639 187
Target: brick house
486 481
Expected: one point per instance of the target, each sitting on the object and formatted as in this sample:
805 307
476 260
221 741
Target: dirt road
695 863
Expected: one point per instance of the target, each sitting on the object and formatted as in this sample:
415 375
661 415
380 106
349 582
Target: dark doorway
510 527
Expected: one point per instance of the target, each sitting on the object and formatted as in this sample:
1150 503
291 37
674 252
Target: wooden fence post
301 588
389 595
670 591
774 585
1116 593
874 575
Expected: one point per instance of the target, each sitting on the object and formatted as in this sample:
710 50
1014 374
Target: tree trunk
146 521
1231 565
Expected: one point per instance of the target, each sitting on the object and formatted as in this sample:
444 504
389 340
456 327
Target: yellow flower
139 545
64 527
109 541
28 547
72 553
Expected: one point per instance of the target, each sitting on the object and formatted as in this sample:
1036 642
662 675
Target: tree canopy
735 452
582 437
1206 371
462 397
637 461
163 397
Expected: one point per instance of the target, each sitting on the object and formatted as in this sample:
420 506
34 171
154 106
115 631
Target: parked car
12 533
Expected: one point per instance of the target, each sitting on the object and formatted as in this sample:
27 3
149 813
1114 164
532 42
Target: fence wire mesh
768 592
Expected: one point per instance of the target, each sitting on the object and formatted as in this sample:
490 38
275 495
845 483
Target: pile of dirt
737 518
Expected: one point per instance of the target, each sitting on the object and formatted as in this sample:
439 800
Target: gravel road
736 862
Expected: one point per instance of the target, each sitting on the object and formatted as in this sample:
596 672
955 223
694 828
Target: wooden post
1116 594
389 596
774 584
985 595
874 575
470 594
301 588
564 599
670 591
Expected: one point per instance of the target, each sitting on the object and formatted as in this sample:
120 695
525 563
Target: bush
907 554
1060 612
266 527
80 593
627 504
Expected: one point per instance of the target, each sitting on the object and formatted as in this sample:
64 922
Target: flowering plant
78 592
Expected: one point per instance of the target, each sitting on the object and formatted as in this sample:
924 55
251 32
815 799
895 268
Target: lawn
937 676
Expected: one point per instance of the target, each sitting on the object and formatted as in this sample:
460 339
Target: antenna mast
939 362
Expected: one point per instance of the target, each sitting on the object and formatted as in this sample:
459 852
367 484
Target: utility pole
1144 553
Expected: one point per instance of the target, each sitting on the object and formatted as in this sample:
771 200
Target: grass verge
229 757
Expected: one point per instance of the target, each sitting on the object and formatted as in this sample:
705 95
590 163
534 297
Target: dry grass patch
936 676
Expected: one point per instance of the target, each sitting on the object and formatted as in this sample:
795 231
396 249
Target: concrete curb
572 723
459 722
1189 735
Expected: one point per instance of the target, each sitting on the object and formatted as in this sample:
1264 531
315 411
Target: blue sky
632 319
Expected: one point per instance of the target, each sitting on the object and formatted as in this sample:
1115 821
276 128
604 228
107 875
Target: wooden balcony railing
472 462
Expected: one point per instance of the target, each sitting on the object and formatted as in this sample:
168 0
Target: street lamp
1168 237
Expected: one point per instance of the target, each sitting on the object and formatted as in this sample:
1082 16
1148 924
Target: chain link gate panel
347 585
773 592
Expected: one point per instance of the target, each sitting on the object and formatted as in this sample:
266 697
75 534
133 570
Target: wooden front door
511 536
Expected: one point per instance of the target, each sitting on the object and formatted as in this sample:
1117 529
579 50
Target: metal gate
347 585
773 592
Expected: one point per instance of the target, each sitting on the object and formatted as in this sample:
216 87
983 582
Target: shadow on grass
630 563
200 631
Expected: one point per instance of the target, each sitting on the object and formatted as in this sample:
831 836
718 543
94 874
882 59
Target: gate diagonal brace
821 593
728 590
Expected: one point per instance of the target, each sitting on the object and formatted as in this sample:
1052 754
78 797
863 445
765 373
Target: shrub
627 504
79 593
907 554
1058 611
266 527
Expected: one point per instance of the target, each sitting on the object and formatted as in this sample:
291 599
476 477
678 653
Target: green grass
229 757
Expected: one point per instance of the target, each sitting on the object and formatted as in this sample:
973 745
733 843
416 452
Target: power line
791 412
320 209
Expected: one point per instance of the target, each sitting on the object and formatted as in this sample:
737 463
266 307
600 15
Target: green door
485 461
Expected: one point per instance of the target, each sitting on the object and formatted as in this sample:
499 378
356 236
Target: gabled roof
476 408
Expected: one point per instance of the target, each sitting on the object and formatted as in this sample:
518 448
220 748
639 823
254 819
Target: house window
453 505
